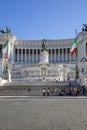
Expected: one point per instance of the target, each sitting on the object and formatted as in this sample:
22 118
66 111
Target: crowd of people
46 91
65 91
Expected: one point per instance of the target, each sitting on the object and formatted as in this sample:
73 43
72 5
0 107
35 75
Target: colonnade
33 55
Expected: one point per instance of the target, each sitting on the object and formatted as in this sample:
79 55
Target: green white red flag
74 46
4 49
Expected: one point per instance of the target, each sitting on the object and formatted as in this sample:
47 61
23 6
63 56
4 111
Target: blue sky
39 19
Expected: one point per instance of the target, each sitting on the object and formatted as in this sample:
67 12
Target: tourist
52 91
44 91
48 91
59 79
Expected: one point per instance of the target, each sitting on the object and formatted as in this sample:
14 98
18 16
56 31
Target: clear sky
39 19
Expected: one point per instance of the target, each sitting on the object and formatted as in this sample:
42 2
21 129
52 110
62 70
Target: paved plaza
43 113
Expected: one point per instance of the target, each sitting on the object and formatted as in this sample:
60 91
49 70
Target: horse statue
44 44
84 28
6 30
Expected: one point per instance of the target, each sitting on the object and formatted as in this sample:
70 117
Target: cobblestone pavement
43 113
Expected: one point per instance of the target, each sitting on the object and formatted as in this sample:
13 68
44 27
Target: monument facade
45 59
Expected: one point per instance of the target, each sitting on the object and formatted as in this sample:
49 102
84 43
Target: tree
76 72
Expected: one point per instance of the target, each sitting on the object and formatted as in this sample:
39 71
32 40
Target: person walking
48 92
44 91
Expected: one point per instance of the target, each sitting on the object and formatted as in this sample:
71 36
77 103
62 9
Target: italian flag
4 49
74 47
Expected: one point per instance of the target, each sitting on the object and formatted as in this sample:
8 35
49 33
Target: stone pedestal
44 58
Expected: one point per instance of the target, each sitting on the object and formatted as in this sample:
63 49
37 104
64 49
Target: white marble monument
31 60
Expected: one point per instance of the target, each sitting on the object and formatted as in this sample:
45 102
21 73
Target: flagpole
76 32
77 71
76 48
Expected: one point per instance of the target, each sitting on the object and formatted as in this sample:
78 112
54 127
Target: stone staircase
37 83
29 88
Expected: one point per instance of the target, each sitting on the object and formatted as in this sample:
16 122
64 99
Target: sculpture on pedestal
6 30
44 57
84 28
44 44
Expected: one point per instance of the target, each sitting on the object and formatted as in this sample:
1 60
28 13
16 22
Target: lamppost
5 70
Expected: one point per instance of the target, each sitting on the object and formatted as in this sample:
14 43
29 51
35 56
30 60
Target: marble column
70 55
62 55
51 55
49 51
36 55
59 55
21 55
25 55
32 56
66 54
29 55
55 55
18 55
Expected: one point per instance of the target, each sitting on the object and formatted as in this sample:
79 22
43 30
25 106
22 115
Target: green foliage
76 72
5 73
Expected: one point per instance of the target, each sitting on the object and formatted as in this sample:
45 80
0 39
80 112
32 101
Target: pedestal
44 58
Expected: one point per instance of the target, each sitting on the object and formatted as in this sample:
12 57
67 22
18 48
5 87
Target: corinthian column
66 54
25 55
18 55
58 55
21 55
